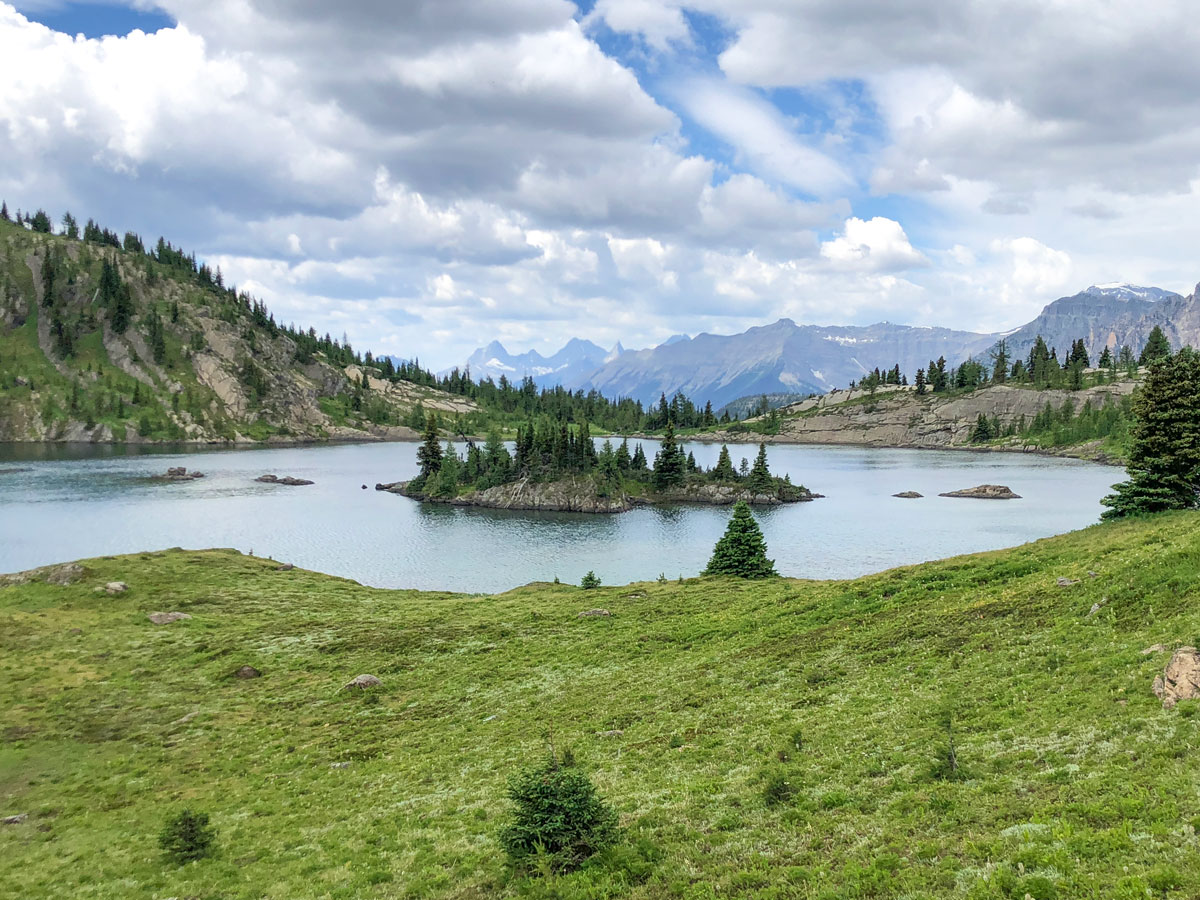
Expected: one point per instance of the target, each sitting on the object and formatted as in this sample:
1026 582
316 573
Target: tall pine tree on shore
742 550
1164 457
429 454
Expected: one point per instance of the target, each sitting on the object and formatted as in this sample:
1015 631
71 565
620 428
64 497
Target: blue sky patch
95 20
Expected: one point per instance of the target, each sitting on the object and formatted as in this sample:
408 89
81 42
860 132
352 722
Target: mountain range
786 358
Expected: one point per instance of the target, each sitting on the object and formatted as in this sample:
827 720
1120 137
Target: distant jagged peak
1124 291
675 339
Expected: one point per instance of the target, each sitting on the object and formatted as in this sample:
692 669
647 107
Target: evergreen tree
1106 359
445 482
760 476
429 454
122 310
1164 456
48 272
639 464
4 212
920 381
40 222
670 464
624 460
982 430
724 470
1157 348
1000 361
70 227
742 551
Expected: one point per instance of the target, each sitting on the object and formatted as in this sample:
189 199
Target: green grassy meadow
758 739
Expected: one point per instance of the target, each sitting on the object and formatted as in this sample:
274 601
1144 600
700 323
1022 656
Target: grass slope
1073 781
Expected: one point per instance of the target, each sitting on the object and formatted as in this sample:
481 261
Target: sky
426 176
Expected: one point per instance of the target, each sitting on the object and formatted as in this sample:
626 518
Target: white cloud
877 245
658 24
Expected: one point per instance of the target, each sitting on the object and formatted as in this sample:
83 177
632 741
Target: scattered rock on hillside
116 587
14 820
1067 582
1181 679
985 492
593 612
248 672
1096 607
362 682
64 574
908 495
1154 648
178 473
287 479
616 732
166 618
286 567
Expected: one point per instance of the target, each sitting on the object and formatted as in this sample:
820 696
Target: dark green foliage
742 550
429 454
670 463
1157 348
558 816
778 789
761 481
589 581
40 222
724 471
1164 456
982 431
187 837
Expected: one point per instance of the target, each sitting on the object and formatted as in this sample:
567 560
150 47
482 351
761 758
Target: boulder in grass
594 613
14 820
248 672
116 587
1181 679
166 618
362 683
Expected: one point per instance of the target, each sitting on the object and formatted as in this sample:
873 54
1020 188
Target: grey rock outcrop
362 683
286 480
1181 679
166 618
984 492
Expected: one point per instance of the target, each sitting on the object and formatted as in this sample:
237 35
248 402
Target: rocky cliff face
899 417
194 363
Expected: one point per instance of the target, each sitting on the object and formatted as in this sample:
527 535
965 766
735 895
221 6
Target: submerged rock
178 473
1181 679
287 479
985 492
908 495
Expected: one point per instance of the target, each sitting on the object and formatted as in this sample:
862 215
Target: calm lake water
70 503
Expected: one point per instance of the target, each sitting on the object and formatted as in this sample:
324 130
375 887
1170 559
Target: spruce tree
1164 457
920 381
670 464
4 212
1157 348
742 550
724 470
761 481
1000 361
429 454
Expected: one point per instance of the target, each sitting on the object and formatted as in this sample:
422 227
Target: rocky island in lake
558 468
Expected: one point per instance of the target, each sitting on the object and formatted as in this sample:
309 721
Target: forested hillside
105 339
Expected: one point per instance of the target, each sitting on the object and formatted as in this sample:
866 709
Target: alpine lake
66 502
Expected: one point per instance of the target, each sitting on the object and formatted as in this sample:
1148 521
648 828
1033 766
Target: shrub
558 817
778 790
589 581
187 837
